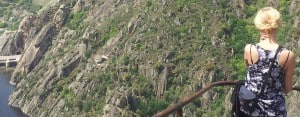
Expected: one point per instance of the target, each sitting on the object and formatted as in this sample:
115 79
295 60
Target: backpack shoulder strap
250 54
286 59
277 51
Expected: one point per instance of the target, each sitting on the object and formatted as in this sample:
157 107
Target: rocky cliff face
128 58
7 45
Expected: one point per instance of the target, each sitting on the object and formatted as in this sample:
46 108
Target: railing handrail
186 100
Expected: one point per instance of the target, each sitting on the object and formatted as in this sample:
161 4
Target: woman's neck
268 37
268 40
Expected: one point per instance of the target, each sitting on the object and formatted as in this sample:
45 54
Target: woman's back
286 61
269 88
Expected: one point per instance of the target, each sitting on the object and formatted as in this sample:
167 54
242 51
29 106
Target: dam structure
9 61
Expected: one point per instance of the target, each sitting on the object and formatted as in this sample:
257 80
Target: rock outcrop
60 16
7 43
34 52
117 100
131 58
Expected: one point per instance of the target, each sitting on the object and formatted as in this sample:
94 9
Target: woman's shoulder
287 53
251 47
287 58
248 47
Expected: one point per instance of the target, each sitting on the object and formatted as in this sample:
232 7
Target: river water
5 90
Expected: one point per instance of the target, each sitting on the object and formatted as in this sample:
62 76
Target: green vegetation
192 39
12 20
151 106
196 41
3 24
236 31
75 21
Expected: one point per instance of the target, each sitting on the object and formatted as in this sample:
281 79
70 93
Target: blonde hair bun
267 18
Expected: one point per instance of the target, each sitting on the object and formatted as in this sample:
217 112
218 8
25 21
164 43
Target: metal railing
178 106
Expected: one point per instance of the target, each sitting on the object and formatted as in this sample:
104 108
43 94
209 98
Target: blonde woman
270 91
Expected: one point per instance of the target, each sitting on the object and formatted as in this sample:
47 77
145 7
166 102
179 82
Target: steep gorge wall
123 58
